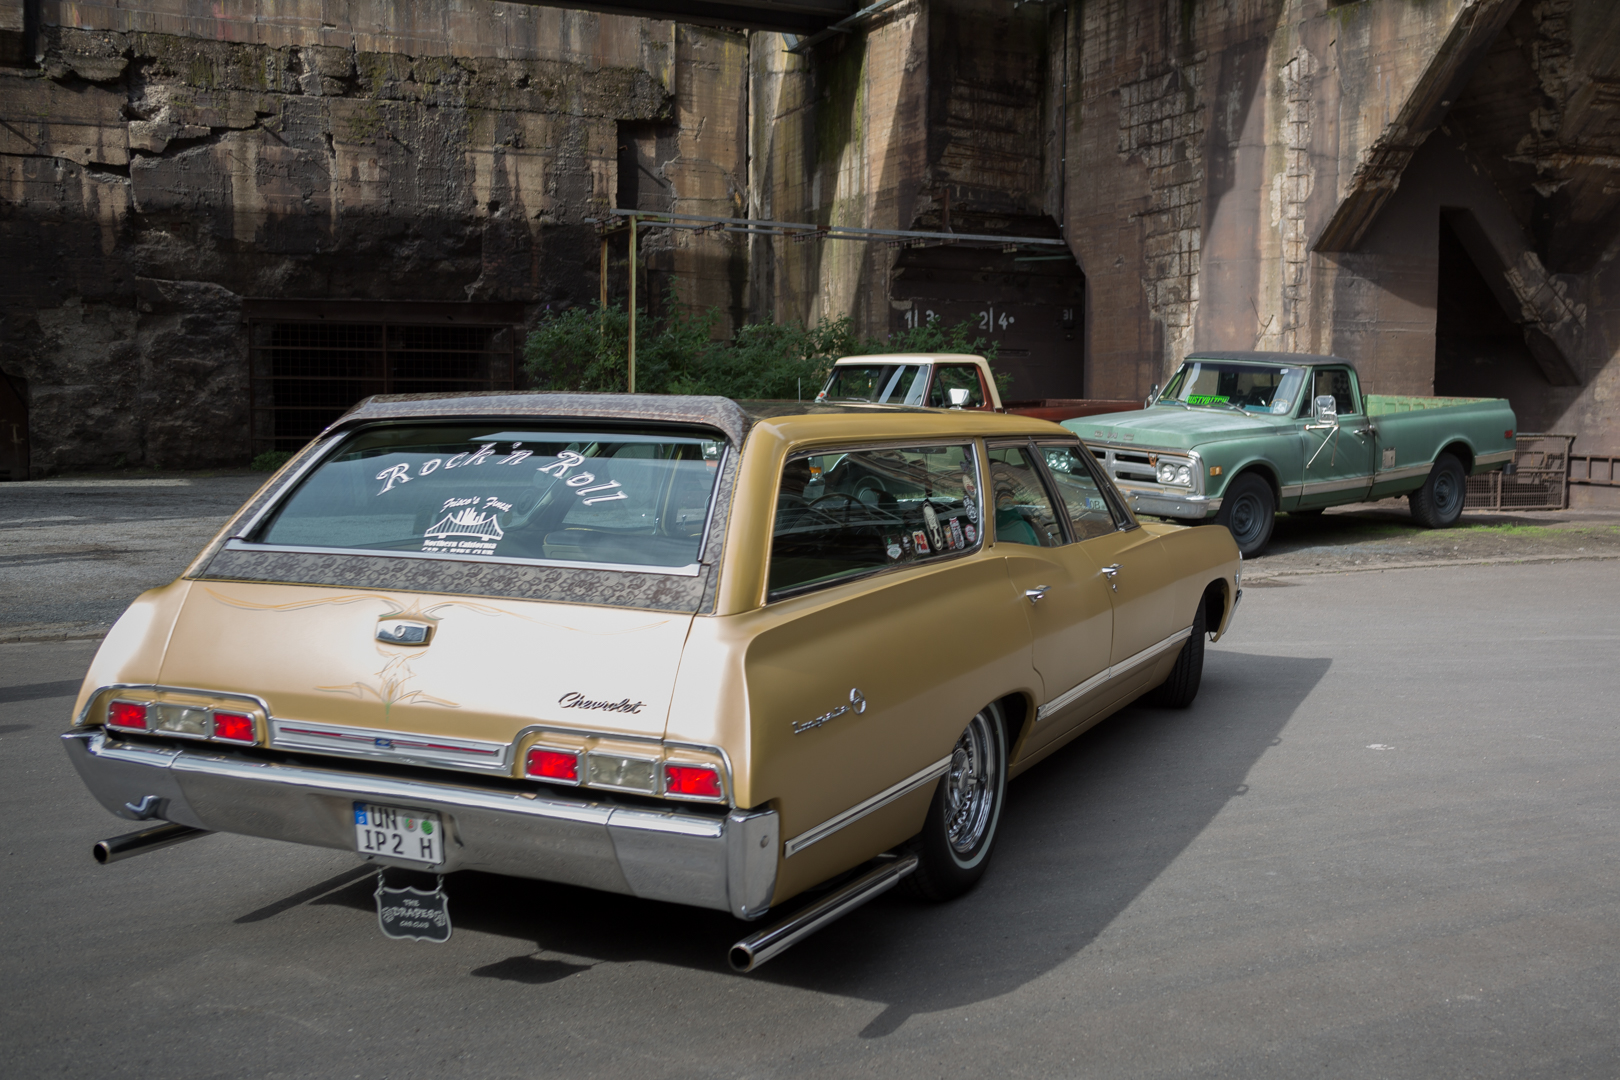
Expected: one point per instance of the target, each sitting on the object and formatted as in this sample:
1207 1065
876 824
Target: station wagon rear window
608 497
843 514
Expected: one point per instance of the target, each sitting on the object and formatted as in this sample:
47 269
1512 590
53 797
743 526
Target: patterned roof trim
719 413
569 585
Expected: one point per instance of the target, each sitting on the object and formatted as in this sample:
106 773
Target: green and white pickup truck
1238 436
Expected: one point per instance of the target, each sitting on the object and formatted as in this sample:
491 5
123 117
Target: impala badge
857 705
403 632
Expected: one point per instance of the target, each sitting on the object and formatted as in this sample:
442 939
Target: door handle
1036 593
1110 572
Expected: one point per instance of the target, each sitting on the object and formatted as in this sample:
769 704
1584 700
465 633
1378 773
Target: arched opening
1478 350
1030 302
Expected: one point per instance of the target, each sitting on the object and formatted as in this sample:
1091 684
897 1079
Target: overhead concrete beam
1379 172
787 17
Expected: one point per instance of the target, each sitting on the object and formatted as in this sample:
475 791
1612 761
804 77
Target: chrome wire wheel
960 830
969 785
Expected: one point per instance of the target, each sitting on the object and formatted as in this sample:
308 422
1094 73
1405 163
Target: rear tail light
692 781
560 765
233 726
126 714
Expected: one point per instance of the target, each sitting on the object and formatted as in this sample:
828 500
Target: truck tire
1178 690
1248 511
1439 502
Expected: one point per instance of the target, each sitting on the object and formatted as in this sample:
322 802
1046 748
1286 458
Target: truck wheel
1439 502
955 842
1248 511
1178 691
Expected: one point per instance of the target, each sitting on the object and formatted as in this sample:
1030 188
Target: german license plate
413 835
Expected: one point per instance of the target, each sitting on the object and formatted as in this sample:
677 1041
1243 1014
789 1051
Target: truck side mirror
959 396
1326 408
1152 396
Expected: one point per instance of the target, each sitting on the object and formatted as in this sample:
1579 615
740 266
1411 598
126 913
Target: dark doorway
1478 350
1029 302
13 428
306 372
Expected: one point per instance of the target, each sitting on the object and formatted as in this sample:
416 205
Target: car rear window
631 497
845 513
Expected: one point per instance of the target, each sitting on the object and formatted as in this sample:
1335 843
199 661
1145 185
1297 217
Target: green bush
270 460
585 349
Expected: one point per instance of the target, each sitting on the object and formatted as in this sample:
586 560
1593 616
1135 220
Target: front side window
894 384
846 513
631 497
1090 510
1334 382
1022 509
1263 388
948 377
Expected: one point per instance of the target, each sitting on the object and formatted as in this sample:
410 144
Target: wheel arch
1459 449
1265 470
1217 605
1017 714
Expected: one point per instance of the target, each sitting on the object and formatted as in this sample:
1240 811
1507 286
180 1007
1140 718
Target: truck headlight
1175 472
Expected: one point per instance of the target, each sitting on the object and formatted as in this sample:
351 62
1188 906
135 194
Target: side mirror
1153 395
958 396
1326 409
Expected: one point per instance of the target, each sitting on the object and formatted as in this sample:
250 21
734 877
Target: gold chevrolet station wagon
684 648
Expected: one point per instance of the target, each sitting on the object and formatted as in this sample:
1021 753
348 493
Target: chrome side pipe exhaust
755 949
139 843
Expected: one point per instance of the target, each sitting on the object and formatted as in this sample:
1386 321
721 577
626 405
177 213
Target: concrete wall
165 160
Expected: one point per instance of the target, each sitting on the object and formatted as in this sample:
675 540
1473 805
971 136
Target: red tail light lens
553 765
693 781
233 726
126 714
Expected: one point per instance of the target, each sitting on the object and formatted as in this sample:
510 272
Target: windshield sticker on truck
1207 399
956 534
920 542
893 550
466 526
971 533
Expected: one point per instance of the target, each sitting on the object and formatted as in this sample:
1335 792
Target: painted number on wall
914 320
990 322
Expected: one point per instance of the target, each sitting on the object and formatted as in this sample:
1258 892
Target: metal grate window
306 374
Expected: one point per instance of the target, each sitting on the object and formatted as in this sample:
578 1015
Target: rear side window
843 514
948 377
632 497
1022 508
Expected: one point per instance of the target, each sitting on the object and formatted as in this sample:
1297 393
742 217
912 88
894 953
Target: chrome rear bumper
726 863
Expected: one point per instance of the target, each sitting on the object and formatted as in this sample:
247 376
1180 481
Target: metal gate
1540 480
307 373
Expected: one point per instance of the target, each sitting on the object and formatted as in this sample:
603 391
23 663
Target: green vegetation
270 460
585 349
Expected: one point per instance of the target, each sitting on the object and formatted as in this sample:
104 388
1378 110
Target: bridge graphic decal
466 522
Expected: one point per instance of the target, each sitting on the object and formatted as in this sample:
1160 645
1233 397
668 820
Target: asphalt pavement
1384 842
75 552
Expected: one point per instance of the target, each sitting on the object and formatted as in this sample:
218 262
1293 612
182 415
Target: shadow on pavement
1083 835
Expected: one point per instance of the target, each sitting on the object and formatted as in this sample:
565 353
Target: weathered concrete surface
152 176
